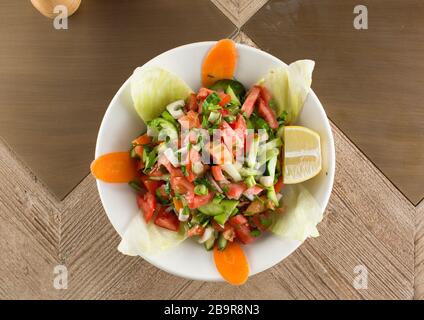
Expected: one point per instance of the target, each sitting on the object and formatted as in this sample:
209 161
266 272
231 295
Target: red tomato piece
249 103
190 120
151 185
192 103
182 185
253 191
241 228
197 230
265 95
262 221
279 185
195 201
268 114
175 172
217 173
147 203
235 190
167 219
203 93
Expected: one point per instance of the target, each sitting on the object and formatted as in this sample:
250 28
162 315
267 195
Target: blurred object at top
46 7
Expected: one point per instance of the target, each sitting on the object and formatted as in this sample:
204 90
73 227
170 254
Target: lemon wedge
302 154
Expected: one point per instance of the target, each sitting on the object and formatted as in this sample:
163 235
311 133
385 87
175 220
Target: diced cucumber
228 207
211 209
222 242
209 243
233 96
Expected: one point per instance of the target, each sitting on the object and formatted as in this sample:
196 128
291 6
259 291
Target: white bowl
121 124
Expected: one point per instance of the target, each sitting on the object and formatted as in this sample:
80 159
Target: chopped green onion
250 181
214 117
255 233
201 190
135 185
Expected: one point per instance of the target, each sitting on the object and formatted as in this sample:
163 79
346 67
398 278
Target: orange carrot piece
116 167
232 263
141 140
220 62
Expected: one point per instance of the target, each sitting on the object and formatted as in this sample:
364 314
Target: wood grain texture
57 84
239 11
368 222
419 252
370 81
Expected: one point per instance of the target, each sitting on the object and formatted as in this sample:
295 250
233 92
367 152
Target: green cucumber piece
222 242
228 207
209 243
211 209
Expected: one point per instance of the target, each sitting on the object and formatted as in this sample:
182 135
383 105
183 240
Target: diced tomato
257 206
190 120
193 157
196 201
197 230
224 112
262 221
167 220
228 135
279 185
162 192
238 220
265 95
203 93
249 103
141 140
240 129
217 173
267 113
175 172
151 185
241 228
253 191
182 185
235 190
225 98
147 203
192 103
138 149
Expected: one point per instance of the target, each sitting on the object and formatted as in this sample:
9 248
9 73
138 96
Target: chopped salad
214 164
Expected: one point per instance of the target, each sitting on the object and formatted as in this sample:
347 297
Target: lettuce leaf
141 239
153 88
302 215
289 87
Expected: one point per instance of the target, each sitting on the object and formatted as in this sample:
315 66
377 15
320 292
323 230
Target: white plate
121 125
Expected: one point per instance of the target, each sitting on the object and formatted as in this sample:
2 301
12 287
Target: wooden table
369 224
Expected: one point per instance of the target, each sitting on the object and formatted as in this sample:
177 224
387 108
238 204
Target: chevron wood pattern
368 223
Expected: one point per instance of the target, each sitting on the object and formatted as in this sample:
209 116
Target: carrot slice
114 167
220 62
232 263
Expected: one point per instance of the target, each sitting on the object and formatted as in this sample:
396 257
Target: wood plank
239 11
30 232
363 77
57 84
419 252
